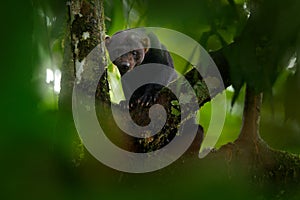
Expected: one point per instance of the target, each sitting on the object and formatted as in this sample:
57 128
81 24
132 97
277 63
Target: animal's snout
125 64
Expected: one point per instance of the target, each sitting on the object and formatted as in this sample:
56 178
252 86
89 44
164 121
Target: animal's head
127 49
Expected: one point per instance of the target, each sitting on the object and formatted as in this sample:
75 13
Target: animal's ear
146 43
107 39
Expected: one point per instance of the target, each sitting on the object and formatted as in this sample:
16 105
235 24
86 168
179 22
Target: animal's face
129 60
127 49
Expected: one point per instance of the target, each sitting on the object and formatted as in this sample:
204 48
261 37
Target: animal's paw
146 100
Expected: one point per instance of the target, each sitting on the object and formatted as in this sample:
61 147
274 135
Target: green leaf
114 80
175 112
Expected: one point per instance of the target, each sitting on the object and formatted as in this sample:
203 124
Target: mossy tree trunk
85 29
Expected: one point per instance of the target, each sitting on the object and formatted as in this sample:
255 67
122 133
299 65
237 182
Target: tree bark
249 134
85 30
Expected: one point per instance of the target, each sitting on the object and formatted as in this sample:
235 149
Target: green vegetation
43 158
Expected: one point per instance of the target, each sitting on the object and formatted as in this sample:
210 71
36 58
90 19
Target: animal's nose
125 64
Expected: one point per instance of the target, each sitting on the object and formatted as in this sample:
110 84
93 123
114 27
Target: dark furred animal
129 49
132 48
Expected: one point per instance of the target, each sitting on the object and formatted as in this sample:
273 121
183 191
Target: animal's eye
134 53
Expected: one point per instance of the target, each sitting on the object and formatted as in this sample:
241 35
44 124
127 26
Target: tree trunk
249 152
249 134
85 29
